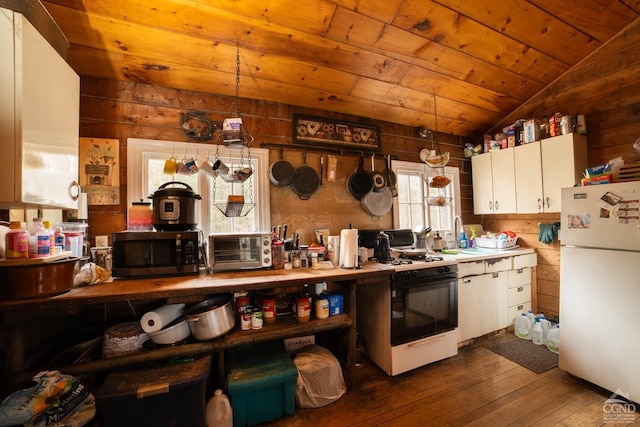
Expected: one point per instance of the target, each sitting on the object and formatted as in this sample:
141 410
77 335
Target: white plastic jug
536 335
219 412
546 326
522 327
553 339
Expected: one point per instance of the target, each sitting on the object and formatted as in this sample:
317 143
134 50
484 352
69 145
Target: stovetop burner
398 261
422 257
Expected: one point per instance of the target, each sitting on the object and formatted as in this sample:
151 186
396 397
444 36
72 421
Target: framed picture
324 132
99 170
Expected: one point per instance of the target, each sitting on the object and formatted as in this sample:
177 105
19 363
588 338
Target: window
411 209
145 165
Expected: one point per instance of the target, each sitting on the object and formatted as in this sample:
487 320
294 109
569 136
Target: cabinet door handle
548 203
520 289
497 205
520 307
490 205
539 203
466 281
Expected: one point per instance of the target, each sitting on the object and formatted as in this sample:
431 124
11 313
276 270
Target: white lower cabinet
491 293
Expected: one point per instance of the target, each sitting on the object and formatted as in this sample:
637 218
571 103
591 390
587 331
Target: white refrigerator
600 286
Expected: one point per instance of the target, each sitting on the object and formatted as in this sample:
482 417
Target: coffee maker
382 248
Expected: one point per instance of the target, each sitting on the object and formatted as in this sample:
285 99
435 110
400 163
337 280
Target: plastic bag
320 381
92 274
54 401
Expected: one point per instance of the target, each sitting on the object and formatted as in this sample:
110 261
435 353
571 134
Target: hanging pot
378 178
281 172
360 182
174 208
391 178
377 204
305 180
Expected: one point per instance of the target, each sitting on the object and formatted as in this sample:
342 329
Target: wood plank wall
115 109
605 87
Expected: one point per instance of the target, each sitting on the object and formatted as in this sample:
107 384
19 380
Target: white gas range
411 321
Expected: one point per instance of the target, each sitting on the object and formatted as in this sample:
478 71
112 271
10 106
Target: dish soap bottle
463 243
472 239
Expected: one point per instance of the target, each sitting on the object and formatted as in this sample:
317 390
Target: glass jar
140 216
303 308
269 310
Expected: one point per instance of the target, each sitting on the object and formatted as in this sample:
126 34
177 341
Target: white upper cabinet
494 189
39 119
542 168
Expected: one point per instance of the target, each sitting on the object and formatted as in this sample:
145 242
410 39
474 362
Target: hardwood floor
477 387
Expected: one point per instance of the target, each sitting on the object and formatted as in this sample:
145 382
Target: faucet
455 230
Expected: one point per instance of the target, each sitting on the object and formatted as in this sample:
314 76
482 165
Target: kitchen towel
159 318
349 248
547 233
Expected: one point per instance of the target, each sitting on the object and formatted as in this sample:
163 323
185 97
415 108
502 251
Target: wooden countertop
176 287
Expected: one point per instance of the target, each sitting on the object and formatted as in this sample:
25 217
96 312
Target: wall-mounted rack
328 150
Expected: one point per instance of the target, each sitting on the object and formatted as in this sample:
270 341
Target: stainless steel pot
211 318
173 333
174 208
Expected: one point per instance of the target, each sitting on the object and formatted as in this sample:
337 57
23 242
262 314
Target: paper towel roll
349 248
83 209
159 318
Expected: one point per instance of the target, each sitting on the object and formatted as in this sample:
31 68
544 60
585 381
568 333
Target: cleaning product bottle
463 243
472 239
536 335
219 412
553 339
522 327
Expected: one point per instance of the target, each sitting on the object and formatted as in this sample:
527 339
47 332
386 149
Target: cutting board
4 262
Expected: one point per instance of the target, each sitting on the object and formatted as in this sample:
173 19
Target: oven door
422 308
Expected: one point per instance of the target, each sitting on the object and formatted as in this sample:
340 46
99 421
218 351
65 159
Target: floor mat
537 358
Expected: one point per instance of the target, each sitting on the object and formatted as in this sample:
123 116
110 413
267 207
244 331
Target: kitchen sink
477 251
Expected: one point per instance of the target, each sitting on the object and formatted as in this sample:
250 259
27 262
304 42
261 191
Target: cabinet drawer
470 268
526 260
519 277
493 265
517 310
519 295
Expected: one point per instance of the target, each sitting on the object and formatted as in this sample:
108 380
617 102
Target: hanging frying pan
305 180
377 203
378 178
360 182
281 172
391 178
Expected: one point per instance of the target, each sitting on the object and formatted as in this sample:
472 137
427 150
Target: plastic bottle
52 238
463 243
546 325
522 327
537 334
16 241
219 412
39 245
59 238
532 320
472 239
553 339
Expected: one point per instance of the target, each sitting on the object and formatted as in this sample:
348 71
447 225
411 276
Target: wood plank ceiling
467 64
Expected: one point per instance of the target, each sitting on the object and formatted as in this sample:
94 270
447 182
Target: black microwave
155 253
